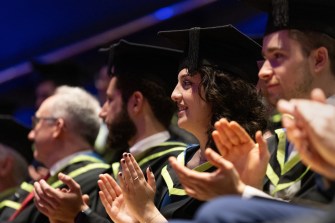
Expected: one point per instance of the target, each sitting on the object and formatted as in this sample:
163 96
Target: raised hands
60 205
137 192
205 185
112 198
132 201
235 145
243 162
312 131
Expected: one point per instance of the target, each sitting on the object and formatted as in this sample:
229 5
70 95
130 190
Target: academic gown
156 157
171 199
85 170
287 173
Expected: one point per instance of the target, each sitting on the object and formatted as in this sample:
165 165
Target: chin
184 125
181 125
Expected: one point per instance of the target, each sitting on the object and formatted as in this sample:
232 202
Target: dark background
55 30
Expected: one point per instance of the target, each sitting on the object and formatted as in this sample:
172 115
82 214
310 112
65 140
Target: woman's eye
187 83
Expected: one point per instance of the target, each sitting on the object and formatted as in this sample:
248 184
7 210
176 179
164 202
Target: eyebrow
270 50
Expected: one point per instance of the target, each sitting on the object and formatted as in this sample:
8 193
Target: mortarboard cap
150 62
224 47
313 15
15 135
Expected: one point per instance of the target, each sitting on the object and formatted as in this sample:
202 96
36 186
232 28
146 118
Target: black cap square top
313 15
147 61
224 47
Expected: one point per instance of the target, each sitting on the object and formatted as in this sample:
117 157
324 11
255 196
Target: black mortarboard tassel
280 13
193 49
305 15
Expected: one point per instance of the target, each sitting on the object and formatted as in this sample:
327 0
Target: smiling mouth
181 108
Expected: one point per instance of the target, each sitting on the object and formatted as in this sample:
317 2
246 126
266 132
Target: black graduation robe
155 157
85 170
171 199
284 174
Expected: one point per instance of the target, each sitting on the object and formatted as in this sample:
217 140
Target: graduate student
216 79
138 112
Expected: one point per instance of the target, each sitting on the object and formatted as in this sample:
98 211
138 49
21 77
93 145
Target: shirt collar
146 143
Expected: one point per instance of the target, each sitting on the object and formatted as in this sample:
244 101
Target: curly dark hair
232 98
153 89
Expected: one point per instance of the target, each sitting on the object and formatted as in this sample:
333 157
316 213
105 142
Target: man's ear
59 127
320 59
135 103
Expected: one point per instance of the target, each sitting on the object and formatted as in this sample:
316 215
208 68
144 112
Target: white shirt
143 145
250 192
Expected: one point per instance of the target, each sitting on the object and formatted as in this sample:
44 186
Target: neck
202 139
68 147
146 128
199 157
326 82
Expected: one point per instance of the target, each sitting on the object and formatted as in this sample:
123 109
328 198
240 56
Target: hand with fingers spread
235 145
207 185
112 199
60 204
312 131
137 192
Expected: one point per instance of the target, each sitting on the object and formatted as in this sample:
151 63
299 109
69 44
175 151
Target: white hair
79 109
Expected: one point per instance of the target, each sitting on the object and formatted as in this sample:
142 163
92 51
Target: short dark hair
154 90
310 40
232 98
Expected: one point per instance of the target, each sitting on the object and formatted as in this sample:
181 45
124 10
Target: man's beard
121 130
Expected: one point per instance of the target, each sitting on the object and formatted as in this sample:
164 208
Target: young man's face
286 71
115 114
113 104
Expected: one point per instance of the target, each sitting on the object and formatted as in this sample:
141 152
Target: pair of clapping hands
133 198
241 162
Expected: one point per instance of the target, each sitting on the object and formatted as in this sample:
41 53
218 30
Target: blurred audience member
15 154
64 130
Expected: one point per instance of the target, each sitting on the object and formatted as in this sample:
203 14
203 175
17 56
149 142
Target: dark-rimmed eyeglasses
35 120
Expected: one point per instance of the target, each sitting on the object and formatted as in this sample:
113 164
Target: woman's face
194 114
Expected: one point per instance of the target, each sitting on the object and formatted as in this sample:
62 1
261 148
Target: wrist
154 217
83 214
85 208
